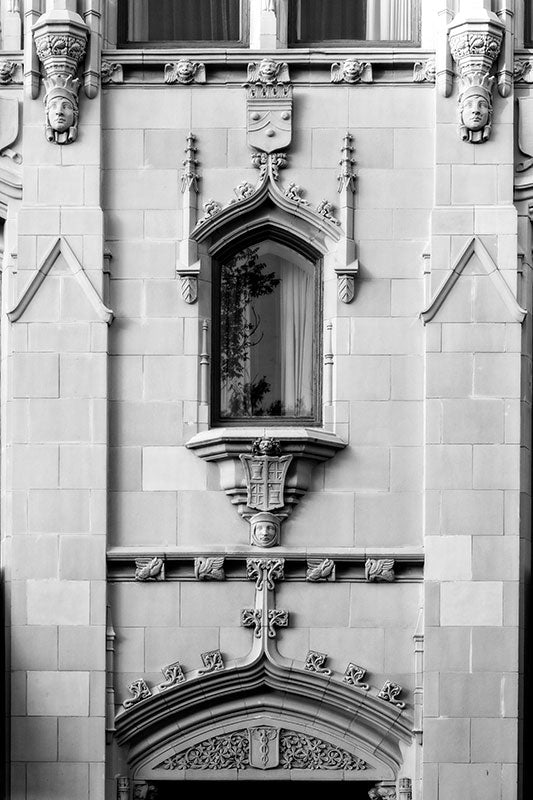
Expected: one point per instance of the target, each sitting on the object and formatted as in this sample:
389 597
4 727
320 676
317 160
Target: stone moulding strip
408 565
362 721
476 246
60 246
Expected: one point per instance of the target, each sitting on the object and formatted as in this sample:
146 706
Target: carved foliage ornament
390 692
212 661
140 691
315 661
353 675
263 748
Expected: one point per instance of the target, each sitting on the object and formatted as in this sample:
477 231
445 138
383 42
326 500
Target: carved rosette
61 44
475 44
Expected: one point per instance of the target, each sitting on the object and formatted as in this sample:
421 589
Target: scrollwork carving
265 571
390 692
212 661
140 691
277 618
301 751
353 675
173 674
252 618
315 661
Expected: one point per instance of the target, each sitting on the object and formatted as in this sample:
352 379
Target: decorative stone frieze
173 674
212 661
185 71
314 662
111 72
354 675
351 71
390 692
425 71
140 691
379 569
320 570
150 569
60 39
209 568
263 747
475 43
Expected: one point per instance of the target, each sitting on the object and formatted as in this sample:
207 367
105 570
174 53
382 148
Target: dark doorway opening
355 790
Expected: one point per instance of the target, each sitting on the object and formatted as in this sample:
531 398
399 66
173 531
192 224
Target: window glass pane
182 20
355 20
267 309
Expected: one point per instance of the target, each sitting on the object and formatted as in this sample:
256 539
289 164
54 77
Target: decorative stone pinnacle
346 177
189 177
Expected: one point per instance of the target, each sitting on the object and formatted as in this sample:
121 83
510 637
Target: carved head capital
265 529
475 107
61 104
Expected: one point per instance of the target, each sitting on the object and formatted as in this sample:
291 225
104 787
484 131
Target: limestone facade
339 597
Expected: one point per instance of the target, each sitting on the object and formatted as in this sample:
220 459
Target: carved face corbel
475 109
265 530
62 114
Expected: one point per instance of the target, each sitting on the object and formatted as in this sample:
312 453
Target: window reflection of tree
266 333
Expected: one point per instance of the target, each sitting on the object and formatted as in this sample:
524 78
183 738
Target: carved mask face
264 533
268 69
61 114
351 70
475 112
185 71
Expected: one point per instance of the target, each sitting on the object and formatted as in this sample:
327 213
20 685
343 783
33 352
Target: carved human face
475 111
264 533
268 69
351 70
185 71
60 114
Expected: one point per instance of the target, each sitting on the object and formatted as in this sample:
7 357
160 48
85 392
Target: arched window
266 308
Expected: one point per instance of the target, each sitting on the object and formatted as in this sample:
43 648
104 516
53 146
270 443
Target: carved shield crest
269 117
9 121
265 480
264 747
525 125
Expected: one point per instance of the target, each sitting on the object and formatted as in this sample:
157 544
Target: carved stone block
315 661
212 661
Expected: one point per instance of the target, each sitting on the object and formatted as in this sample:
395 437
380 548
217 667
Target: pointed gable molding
60 246
476 246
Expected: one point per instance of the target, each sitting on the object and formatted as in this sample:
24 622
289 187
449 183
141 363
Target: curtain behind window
183 20
358 20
